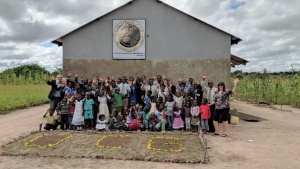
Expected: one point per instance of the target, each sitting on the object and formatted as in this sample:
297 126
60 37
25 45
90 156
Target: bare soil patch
45 140
165 144
115 141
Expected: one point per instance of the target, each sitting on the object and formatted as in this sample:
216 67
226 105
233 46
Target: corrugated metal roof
237 61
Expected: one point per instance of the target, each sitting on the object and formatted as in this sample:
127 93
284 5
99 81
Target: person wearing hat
56 94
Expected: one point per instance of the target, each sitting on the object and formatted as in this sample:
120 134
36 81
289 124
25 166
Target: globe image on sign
129 35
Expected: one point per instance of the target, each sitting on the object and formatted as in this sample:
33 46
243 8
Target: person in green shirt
118 101
146 116
112 121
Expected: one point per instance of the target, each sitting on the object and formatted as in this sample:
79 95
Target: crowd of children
130 104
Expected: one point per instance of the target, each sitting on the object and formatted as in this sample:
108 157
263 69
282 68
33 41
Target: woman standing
56 94
222 106
103 108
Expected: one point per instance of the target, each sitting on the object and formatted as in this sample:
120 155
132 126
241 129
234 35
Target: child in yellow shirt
51 120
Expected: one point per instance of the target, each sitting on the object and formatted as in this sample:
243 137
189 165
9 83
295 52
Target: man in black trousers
210 91
56 94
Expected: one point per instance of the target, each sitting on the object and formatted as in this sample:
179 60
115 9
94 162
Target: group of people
153 104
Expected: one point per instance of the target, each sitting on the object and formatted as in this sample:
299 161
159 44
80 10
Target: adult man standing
124 89
210 92
149 86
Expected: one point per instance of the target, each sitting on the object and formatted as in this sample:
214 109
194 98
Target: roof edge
59 40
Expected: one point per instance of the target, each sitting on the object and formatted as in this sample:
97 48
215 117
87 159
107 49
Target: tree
57 71
26 71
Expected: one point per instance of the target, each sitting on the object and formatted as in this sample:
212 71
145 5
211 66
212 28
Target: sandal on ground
224 135
216 134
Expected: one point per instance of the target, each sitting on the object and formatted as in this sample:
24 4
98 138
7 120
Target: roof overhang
58 41
235 61
235 40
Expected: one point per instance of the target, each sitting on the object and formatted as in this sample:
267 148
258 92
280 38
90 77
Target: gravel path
273 143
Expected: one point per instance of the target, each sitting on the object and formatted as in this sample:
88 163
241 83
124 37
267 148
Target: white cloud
269 29
4 29
26 53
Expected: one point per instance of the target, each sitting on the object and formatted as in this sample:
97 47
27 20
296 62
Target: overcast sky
269 28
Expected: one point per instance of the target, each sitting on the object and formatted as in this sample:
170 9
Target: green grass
275 89
22 96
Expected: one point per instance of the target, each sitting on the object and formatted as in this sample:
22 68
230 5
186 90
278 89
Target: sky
269 29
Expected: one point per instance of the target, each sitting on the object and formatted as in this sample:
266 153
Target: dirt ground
273 143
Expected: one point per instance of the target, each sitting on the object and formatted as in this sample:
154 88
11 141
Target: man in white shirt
149 86
211 92
125 89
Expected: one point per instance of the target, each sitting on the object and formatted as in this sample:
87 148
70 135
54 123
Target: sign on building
129 39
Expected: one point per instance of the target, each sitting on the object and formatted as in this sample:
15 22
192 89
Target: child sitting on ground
205 114
134 125
195 122
101 123
112 122
121 123
58 118
50 124
144 121
153 120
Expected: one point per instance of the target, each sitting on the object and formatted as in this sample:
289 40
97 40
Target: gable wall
177 45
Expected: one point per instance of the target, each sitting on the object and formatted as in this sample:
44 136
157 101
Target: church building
149 37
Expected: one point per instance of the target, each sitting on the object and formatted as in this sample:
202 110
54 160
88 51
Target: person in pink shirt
195 120
205 114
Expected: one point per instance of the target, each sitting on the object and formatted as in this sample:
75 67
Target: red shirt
71 110
205 111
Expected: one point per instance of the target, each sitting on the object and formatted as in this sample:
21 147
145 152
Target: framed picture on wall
129 40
